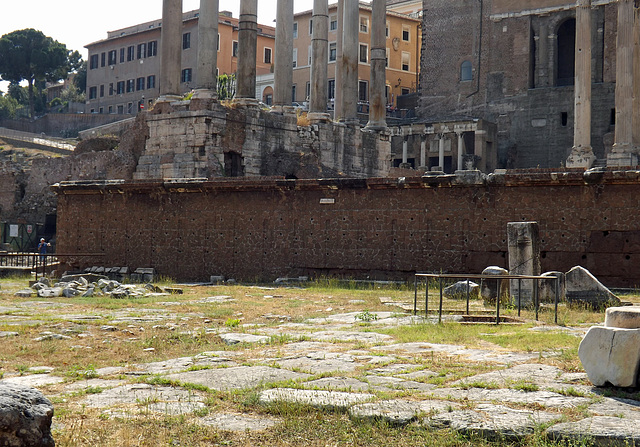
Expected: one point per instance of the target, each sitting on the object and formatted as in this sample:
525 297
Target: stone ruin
25 417
610 354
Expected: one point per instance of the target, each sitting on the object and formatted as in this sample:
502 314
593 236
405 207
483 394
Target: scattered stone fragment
583 288
4 334
602 430
627 317
494 422
458 291
489 288
25 293
47 337
25 417
327 400
215 300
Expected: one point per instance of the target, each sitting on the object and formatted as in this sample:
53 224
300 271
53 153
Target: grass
189 328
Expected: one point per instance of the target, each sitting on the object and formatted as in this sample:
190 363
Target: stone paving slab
338 383
328 400
398 412
237 378
353 337
93 383
34 380
629 409
530 373
238 422
544 398
602 430
494 422
320 362
476 355
235 338
397 383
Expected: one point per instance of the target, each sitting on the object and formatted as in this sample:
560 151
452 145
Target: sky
77 23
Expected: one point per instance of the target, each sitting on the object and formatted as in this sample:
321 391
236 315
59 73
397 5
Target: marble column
206 78
350 48
247 44
441 152
319 58
460 150
171 53
337 100
283 68
582 154
636 78
623 150
377 103
423 154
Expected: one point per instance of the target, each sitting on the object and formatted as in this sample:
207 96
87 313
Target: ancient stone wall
376 228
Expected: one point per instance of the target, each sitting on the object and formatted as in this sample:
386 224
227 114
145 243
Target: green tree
226 86
29 55
80 81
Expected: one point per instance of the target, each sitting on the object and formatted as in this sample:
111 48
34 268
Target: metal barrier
37 263
497 278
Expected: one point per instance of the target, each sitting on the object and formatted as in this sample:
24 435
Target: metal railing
38 263
498 278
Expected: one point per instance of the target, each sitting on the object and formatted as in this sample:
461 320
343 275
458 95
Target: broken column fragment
524 259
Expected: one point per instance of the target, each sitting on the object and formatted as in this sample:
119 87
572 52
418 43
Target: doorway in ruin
233 165
566 55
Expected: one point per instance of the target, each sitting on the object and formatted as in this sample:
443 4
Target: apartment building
123 71
403 52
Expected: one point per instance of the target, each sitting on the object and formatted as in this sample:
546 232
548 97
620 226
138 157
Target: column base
377 126
247 102
205 94
318 117
622 159
283 110
168 98
405 166
581 157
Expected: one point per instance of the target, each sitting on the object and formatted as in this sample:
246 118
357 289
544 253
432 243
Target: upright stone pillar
319 58
350 47
283 68
377 103
460 150
636 78
171 54
337 100
623 153
423 154
206 78
524 258
441 152
582 154
247 44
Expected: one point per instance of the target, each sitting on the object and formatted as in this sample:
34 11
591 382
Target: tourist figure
42 248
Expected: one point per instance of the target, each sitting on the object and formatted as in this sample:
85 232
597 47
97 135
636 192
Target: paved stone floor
319 360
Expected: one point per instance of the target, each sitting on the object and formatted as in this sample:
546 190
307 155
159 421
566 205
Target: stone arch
566 52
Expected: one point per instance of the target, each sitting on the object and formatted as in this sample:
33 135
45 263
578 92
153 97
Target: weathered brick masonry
378 228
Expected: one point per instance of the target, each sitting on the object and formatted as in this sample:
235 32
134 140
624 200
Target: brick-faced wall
377 228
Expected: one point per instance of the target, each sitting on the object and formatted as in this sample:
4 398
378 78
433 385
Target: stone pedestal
524 259
581 158
316 117
622 159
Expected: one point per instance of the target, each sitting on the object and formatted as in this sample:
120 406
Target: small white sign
327 201
14 230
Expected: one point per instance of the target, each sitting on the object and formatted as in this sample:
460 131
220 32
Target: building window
101 110
186 75
364 53
113 56
406 61
152 48
333 24
267 55
122 55
404 91
93 63
309 54
130 108
151 81
140 83
120 109
131 53
293 93
310 26
102 91
364 24
406 33
186 41
363 90
131 85
295 30
103 59
93 92
110 110
218 43
234 49
331 89
566 55
111 89
466 71
333 52
386 58
120 87
295 57
307 91
142 51
386 31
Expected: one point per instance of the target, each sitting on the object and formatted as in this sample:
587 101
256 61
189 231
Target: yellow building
403 54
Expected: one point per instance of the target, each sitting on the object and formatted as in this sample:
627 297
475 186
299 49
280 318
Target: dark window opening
466 71
566 53
612 119
233 164
564 118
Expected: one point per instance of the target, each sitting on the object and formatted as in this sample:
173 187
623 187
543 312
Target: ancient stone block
611 356
458 291
623 317
25 417
490 287
524 258
583 288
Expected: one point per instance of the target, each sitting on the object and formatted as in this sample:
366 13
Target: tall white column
582 154
423 153
206 78
319 60
337 100
283 68
441 152
636 78
350 47
247 44
622 154
171 53
377 103
405 150
460 150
